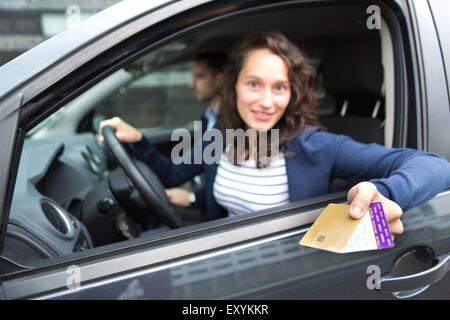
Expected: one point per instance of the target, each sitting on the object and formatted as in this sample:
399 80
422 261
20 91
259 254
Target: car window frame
432 105
302 213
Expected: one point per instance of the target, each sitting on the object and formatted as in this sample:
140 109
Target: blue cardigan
406 176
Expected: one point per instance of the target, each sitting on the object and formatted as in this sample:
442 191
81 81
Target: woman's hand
179 196
361 195
124 132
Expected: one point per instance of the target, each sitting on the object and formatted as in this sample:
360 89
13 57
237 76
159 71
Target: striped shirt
247 188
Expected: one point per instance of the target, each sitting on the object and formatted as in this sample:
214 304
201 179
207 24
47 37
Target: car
71 218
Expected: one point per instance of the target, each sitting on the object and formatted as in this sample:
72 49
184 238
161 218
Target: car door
256 256
276 267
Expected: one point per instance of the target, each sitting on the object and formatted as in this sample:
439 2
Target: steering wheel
148 186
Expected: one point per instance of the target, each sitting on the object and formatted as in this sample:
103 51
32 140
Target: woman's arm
398 178
406 176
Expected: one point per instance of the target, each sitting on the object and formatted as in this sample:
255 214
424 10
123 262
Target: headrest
353 69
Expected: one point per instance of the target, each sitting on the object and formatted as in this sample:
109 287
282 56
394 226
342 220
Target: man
207 76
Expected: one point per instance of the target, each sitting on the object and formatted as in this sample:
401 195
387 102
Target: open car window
152 93
158 99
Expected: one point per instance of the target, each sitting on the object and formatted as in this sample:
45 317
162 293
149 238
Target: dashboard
55 175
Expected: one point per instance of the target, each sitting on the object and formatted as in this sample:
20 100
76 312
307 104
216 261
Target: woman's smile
262 116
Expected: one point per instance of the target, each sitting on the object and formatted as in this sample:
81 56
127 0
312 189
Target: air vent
57 218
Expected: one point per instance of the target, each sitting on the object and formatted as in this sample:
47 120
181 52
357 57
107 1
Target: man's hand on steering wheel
112 133
124 132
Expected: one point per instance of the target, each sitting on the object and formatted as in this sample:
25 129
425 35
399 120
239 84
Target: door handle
417 282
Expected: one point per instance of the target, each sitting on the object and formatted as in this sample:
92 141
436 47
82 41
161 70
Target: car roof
49 52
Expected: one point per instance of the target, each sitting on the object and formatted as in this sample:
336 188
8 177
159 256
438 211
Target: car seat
353 75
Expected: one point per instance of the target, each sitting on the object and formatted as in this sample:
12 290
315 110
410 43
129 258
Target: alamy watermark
73 280
239 144
374 20
373 281
73 15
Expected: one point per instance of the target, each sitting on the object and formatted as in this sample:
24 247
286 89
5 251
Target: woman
269 85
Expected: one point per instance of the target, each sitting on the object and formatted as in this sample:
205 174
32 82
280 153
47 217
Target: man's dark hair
215 60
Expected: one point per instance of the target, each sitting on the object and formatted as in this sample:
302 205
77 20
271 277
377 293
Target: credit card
335 231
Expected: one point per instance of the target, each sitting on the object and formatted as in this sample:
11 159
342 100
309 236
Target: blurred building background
157 99
26 23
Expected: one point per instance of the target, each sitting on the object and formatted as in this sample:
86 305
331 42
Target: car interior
72 194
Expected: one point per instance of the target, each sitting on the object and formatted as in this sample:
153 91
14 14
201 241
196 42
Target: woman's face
262 89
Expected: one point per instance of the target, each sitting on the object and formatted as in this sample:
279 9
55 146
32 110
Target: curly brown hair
301 110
